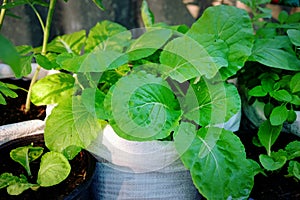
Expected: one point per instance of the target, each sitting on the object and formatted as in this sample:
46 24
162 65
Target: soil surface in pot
80 173
14 110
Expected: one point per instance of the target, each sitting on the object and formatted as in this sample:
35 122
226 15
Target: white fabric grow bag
139 170
21 129
142 170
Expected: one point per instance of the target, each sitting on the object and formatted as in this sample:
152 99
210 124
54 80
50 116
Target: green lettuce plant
168 83
272 76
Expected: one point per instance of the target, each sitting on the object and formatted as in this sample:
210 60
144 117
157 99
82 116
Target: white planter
255 114
16 130
139 170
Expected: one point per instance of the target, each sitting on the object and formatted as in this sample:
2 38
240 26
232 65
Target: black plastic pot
84 163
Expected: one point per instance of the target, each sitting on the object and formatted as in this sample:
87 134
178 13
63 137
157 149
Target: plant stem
2 13
44 51
38 16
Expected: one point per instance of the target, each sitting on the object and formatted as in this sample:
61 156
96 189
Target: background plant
272 76
20 59
54 166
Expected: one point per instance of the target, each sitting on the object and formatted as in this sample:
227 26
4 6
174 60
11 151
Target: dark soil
275 185
81 172
14 110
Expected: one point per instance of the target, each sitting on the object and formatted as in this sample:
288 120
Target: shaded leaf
295 83
273 162
268 134
10 56
279 115
217 162
294 36
208 103
257 91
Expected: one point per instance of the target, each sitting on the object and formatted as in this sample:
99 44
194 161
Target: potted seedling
270 86
168 84
54 167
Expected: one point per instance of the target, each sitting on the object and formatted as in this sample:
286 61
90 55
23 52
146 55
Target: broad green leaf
281 95
295 83
54 168
293 150
71 151
7 90
273 162
75 124
25 155
208 103
268 134
44 62
267 84
52 89
99 4
292 116
217 162
15 185
294 36
107 35
2 100
268 109
231 29
71 43
294 169
270 53
13 4
93 100
143 107
148 43
269 75
19 187
6 179
10 56
257 91
283 16
279 115
147 15
185 65
25 50
70 62
102 60
26 62
182 28
296 100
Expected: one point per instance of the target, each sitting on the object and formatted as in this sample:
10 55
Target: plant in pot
53 167
168 84
270 86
